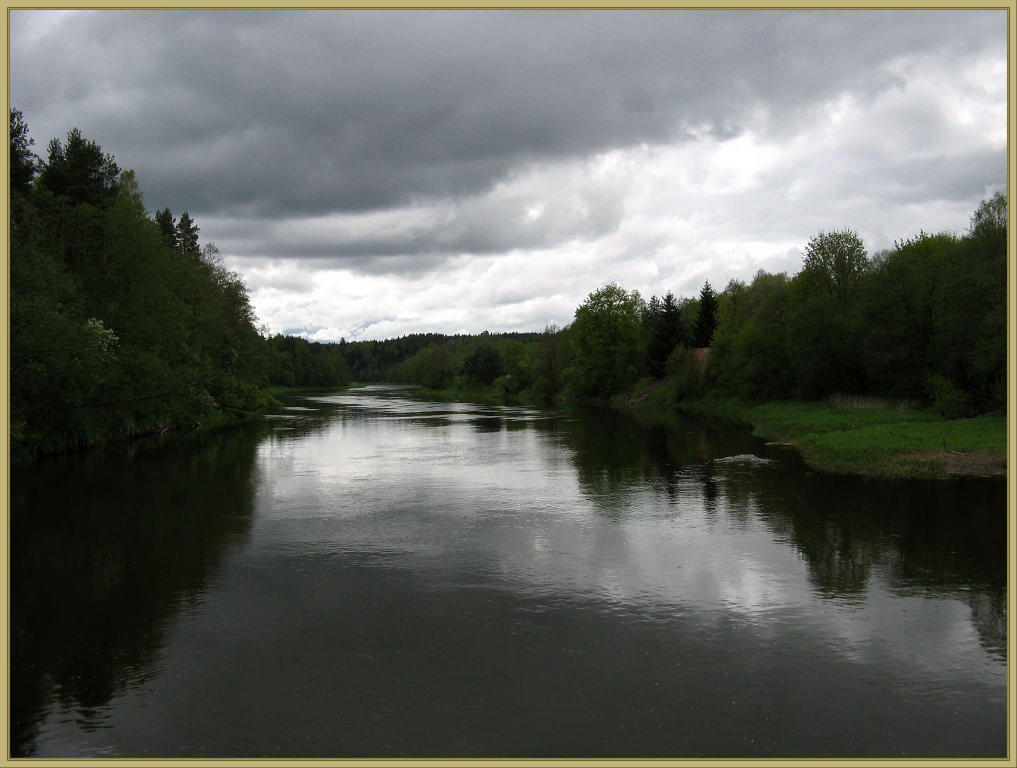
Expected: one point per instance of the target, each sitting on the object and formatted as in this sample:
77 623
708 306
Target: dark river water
371 575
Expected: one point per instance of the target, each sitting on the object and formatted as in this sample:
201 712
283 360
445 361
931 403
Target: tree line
922 323
121 322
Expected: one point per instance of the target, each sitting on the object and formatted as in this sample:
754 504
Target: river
369 574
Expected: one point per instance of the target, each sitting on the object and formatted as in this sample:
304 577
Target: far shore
877 440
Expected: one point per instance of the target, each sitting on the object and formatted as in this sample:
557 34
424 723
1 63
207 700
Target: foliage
296 362
706 318
78 169
748 355
186 236
484 365
24 162
114 331
607 341
686 373
924 322
122 322
550 360
825 329
945 396
665 330
433 367
988 224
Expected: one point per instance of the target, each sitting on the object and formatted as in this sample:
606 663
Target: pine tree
81 171
167 227
24 162
706 320
187 236
666 334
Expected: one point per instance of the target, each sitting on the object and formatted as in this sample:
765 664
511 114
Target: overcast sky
377 173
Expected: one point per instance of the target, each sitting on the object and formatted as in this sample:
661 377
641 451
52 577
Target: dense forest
123 323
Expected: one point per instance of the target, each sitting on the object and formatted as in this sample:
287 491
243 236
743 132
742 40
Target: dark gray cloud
522 153
278 112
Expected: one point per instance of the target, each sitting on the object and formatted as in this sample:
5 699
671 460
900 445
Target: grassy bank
490 396
873 441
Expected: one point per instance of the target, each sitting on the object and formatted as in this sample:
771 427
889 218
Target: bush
946 397
683 368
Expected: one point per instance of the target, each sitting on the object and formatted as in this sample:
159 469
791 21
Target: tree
484 364
901 303
990 216
187 236
666 334
518 367
826 330
167 227
80 170
748 354
551 360
608 340
706 320
111 333
24 162
988 226
834 264
433 367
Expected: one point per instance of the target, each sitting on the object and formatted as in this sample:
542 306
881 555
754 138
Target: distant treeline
122 323
923 323
403 360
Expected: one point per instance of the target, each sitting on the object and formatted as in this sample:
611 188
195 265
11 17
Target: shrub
946 397
683 368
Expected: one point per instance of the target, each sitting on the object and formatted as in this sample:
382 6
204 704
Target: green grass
866 441
901 448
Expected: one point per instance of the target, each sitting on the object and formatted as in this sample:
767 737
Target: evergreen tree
187 236
24 162
667 333
80 170
706 320
167 227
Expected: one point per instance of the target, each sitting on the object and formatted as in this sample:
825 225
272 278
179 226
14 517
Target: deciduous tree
608 341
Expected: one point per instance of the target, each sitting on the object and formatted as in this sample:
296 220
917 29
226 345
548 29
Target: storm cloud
357 153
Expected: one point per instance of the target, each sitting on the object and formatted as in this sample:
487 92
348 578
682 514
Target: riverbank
876 441
857 437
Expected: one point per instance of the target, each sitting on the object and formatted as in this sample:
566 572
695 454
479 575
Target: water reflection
683 482
107 548
942 538
414 578
932 538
